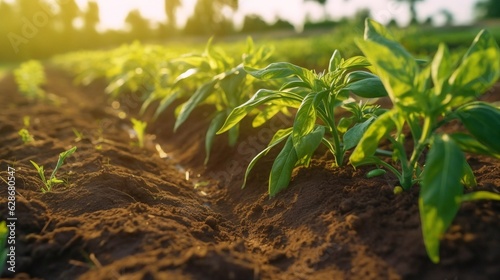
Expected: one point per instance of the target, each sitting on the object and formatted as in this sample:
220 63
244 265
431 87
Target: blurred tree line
41 28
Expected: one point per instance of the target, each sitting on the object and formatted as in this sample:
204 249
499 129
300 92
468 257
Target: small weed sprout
52 181
78 135
25 135
139 129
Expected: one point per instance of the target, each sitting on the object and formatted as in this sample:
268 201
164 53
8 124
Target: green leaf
367 88
199 96
231 84
479 70
165 102
260 97
281 70
470 144
441 68
60 161
309 143
379 129
335 61
358 75
355 62
265 114
215 124
468 178
393 64
234 132
305 119
353 136
278 137
40 170
281 171
440 191
482 120
480 195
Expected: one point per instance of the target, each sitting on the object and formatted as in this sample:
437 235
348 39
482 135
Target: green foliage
317 98
425 98
25 135
139 128
52 181
30 77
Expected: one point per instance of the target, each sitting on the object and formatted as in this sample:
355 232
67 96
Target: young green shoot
139 129
52 180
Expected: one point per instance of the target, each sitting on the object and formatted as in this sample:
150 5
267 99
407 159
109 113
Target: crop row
426 95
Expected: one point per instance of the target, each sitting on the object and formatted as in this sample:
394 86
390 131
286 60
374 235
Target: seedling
25 135
139 129
78 135
317 98
52 181
425 98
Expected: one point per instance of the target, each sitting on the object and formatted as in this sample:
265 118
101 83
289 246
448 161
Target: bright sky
113 12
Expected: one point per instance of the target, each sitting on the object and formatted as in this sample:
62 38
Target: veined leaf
368 144
278 137
469 144
355 62
266 114
440 191
309 143
165 102
482 120
281 172
281 70
199 96
304 119
215 124
353 136
468 178
367 88
441 68
260 97
335 61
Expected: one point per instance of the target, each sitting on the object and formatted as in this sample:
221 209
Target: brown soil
126 213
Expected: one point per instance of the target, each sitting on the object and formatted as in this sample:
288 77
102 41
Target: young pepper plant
52 181
216 78
424 100
317 98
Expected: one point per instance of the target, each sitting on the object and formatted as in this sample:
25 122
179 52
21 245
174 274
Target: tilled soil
129 213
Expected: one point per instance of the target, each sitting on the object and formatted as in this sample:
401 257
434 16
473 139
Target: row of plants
334 108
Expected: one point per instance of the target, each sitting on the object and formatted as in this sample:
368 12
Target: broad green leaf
440 191
441 68
278 137
231 85
215 124
265 114
295 84
260 97
469 144
309 143
353 136
379 129
367 88
480 195
393 64
335 61
358 75
479 70
468 178
355 62
305 119
281 171
198 97
482 120
281 70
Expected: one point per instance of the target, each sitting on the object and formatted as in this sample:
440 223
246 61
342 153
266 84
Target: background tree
139 26
208 17
69 11
171 7
487 9
91 16
413 10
